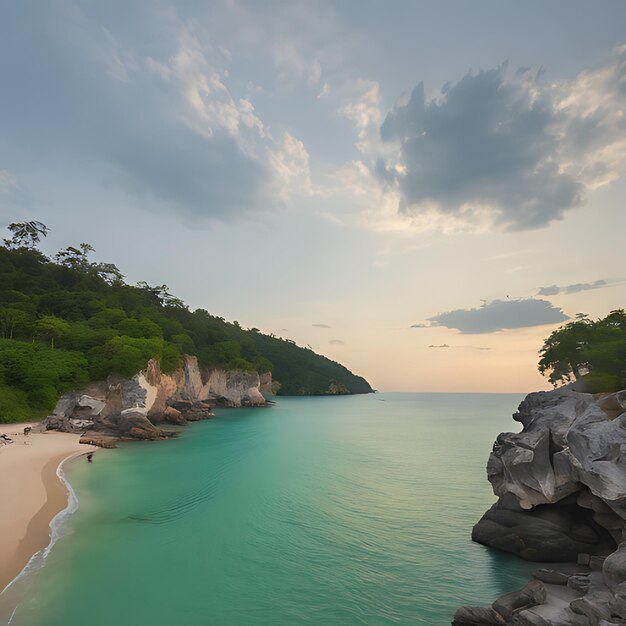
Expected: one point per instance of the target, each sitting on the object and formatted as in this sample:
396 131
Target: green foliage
85 310
51 327
32 376
583 345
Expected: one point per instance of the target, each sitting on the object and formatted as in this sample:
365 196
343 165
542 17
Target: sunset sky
422 191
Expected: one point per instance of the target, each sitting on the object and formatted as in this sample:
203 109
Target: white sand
31 493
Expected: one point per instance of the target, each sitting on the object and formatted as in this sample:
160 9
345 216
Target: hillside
66 321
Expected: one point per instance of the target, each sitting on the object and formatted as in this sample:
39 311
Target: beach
31 492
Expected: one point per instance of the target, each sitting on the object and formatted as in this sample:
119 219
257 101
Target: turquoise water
347 510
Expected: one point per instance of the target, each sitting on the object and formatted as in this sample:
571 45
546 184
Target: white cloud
360 103
7 179
290 163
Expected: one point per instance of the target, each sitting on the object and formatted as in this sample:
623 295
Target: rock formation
561 487
136 408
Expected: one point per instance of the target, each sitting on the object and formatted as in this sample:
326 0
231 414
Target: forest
66 320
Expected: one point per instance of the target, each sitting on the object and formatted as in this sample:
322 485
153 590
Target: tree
593 349
26 234
108 272
51 327
161 295
76 258
10 319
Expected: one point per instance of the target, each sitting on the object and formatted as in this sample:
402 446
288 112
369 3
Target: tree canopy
595 350
82 316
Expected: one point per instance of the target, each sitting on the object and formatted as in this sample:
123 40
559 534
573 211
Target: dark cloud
554 290
321 325
443 345
501 315
486 142
420 325
337 342
80 97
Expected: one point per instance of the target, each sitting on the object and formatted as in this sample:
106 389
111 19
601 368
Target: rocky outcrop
138 407
561 487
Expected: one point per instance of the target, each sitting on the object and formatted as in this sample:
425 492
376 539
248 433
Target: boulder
532 594
60 423
551 577
545 533
614 568
94 438
477 616
172 416
135 424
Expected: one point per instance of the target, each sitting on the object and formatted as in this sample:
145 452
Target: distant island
67 321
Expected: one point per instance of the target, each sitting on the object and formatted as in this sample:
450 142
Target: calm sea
346 510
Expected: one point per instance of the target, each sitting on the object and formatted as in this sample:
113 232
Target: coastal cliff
135 408
561 487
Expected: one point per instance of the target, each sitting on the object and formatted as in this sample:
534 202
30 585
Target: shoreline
33 493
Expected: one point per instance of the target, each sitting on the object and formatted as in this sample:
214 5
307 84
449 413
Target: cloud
554 290
292 63
7 179
360 103
148 110
420 325
443 345
321 325
514 152
500 315
337 342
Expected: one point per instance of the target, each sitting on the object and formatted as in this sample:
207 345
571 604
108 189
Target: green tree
593 349
26 234
10 320
75 258
51 327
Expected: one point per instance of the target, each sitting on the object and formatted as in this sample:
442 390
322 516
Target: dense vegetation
67 320
592 350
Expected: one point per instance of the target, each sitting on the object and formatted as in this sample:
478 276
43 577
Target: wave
16 590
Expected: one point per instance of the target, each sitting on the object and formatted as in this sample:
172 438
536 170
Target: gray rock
134 423
65 406
477 616
595 563
60 423
550 576
613 404
87 407
133 394
614 568
548 534
532 594
579 582
594 606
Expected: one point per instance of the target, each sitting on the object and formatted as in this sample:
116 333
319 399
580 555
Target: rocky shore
151 404
561 487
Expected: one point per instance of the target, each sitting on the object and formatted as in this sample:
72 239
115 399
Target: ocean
332 510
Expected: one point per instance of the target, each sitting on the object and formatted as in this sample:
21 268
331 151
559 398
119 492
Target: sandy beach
31 492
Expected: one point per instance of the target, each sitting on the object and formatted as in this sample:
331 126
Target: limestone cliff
561 487
134 408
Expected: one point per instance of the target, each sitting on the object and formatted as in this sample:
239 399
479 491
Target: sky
422 191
